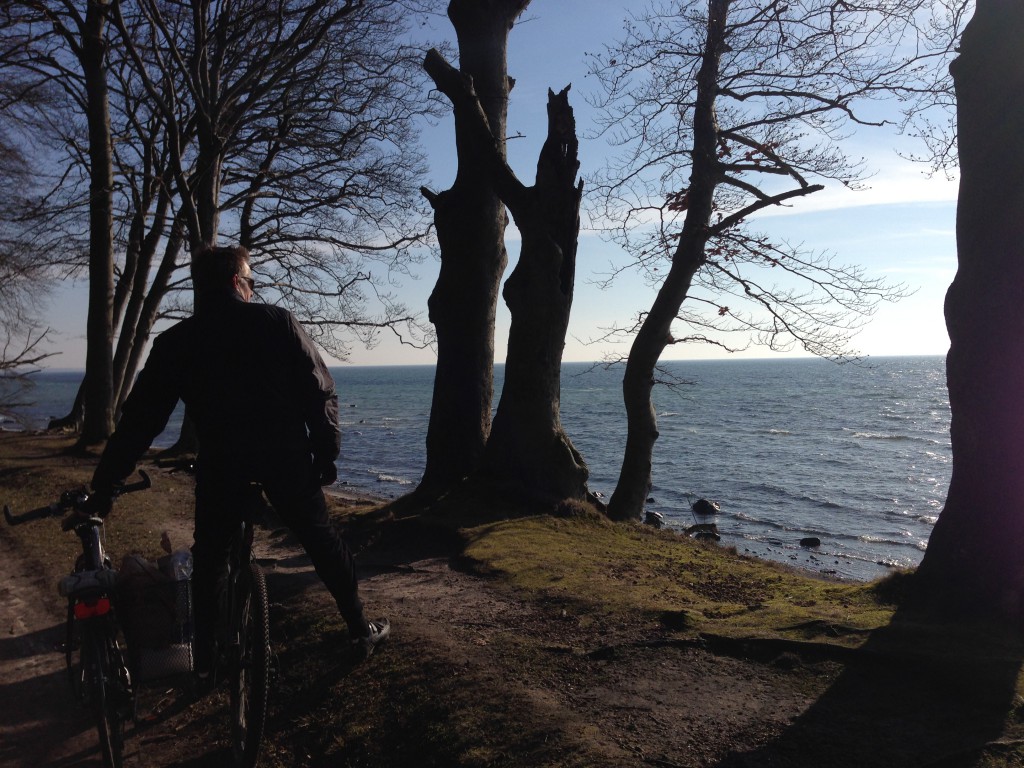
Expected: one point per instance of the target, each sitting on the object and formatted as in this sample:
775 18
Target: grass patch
693 587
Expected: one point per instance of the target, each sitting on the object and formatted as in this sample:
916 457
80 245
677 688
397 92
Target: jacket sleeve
318 396
143 417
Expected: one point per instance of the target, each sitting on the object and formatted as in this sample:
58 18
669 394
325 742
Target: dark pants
222 500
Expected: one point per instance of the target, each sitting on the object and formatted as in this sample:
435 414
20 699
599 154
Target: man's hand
328 472
98 504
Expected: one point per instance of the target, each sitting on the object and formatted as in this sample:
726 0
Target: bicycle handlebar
73 499
141 485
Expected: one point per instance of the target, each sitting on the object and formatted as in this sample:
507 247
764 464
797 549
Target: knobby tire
250 673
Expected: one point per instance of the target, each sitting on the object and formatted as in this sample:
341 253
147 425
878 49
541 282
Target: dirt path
39 723
649 706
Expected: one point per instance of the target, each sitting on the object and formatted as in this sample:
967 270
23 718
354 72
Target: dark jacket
259 393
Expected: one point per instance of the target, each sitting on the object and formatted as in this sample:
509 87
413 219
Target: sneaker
363 647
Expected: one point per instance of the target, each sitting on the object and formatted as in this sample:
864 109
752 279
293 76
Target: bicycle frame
89 591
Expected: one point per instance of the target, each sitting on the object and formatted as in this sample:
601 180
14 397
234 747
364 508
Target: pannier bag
154 608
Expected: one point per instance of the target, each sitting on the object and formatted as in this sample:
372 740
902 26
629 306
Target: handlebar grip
141 485
36 514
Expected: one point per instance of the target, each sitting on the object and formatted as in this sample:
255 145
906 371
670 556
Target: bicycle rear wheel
111 694
251 670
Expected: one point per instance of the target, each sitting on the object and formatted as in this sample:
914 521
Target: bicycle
99 677
244 646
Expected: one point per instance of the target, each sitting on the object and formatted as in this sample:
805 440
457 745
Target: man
265 411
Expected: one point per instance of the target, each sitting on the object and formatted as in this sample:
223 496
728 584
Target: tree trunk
470 223
144 309
634 485
207 190
74 417
98 420
973 560
135 327
528 451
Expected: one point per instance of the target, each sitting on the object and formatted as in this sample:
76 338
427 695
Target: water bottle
181 565
181 569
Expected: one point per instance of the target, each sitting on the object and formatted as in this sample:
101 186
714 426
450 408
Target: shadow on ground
915 696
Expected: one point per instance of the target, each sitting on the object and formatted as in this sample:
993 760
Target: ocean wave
767 493
880 436
775 528
384 478
890 416
913 514
918 544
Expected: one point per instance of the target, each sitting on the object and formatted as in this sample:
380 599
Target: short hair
213 266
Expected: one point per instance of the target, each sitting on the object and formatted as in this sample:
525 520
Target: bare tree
73 49
724 108
24 280
305 147
470 222
304 112
22 335
53 44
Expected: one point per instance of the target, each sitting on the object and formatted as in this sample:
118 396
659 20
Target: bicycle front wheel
251 670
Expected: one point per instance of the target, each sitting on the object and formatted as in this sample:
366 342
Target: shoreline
803 560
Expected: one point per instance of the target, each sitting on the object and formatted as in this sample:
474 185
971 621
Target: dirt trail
39 723
441 616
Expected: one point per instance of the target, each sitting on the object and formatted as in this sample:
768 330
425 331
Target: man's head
222 270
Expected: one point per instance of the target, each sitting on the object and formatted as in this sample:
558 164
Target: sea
855 455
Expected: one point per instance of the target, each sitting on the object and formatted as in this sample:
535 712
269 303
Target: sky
901 227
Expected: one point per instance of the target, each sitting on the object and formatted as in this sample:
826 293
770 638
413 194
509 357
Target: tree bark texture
98 421
470 223
528 451
634 485
974 559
